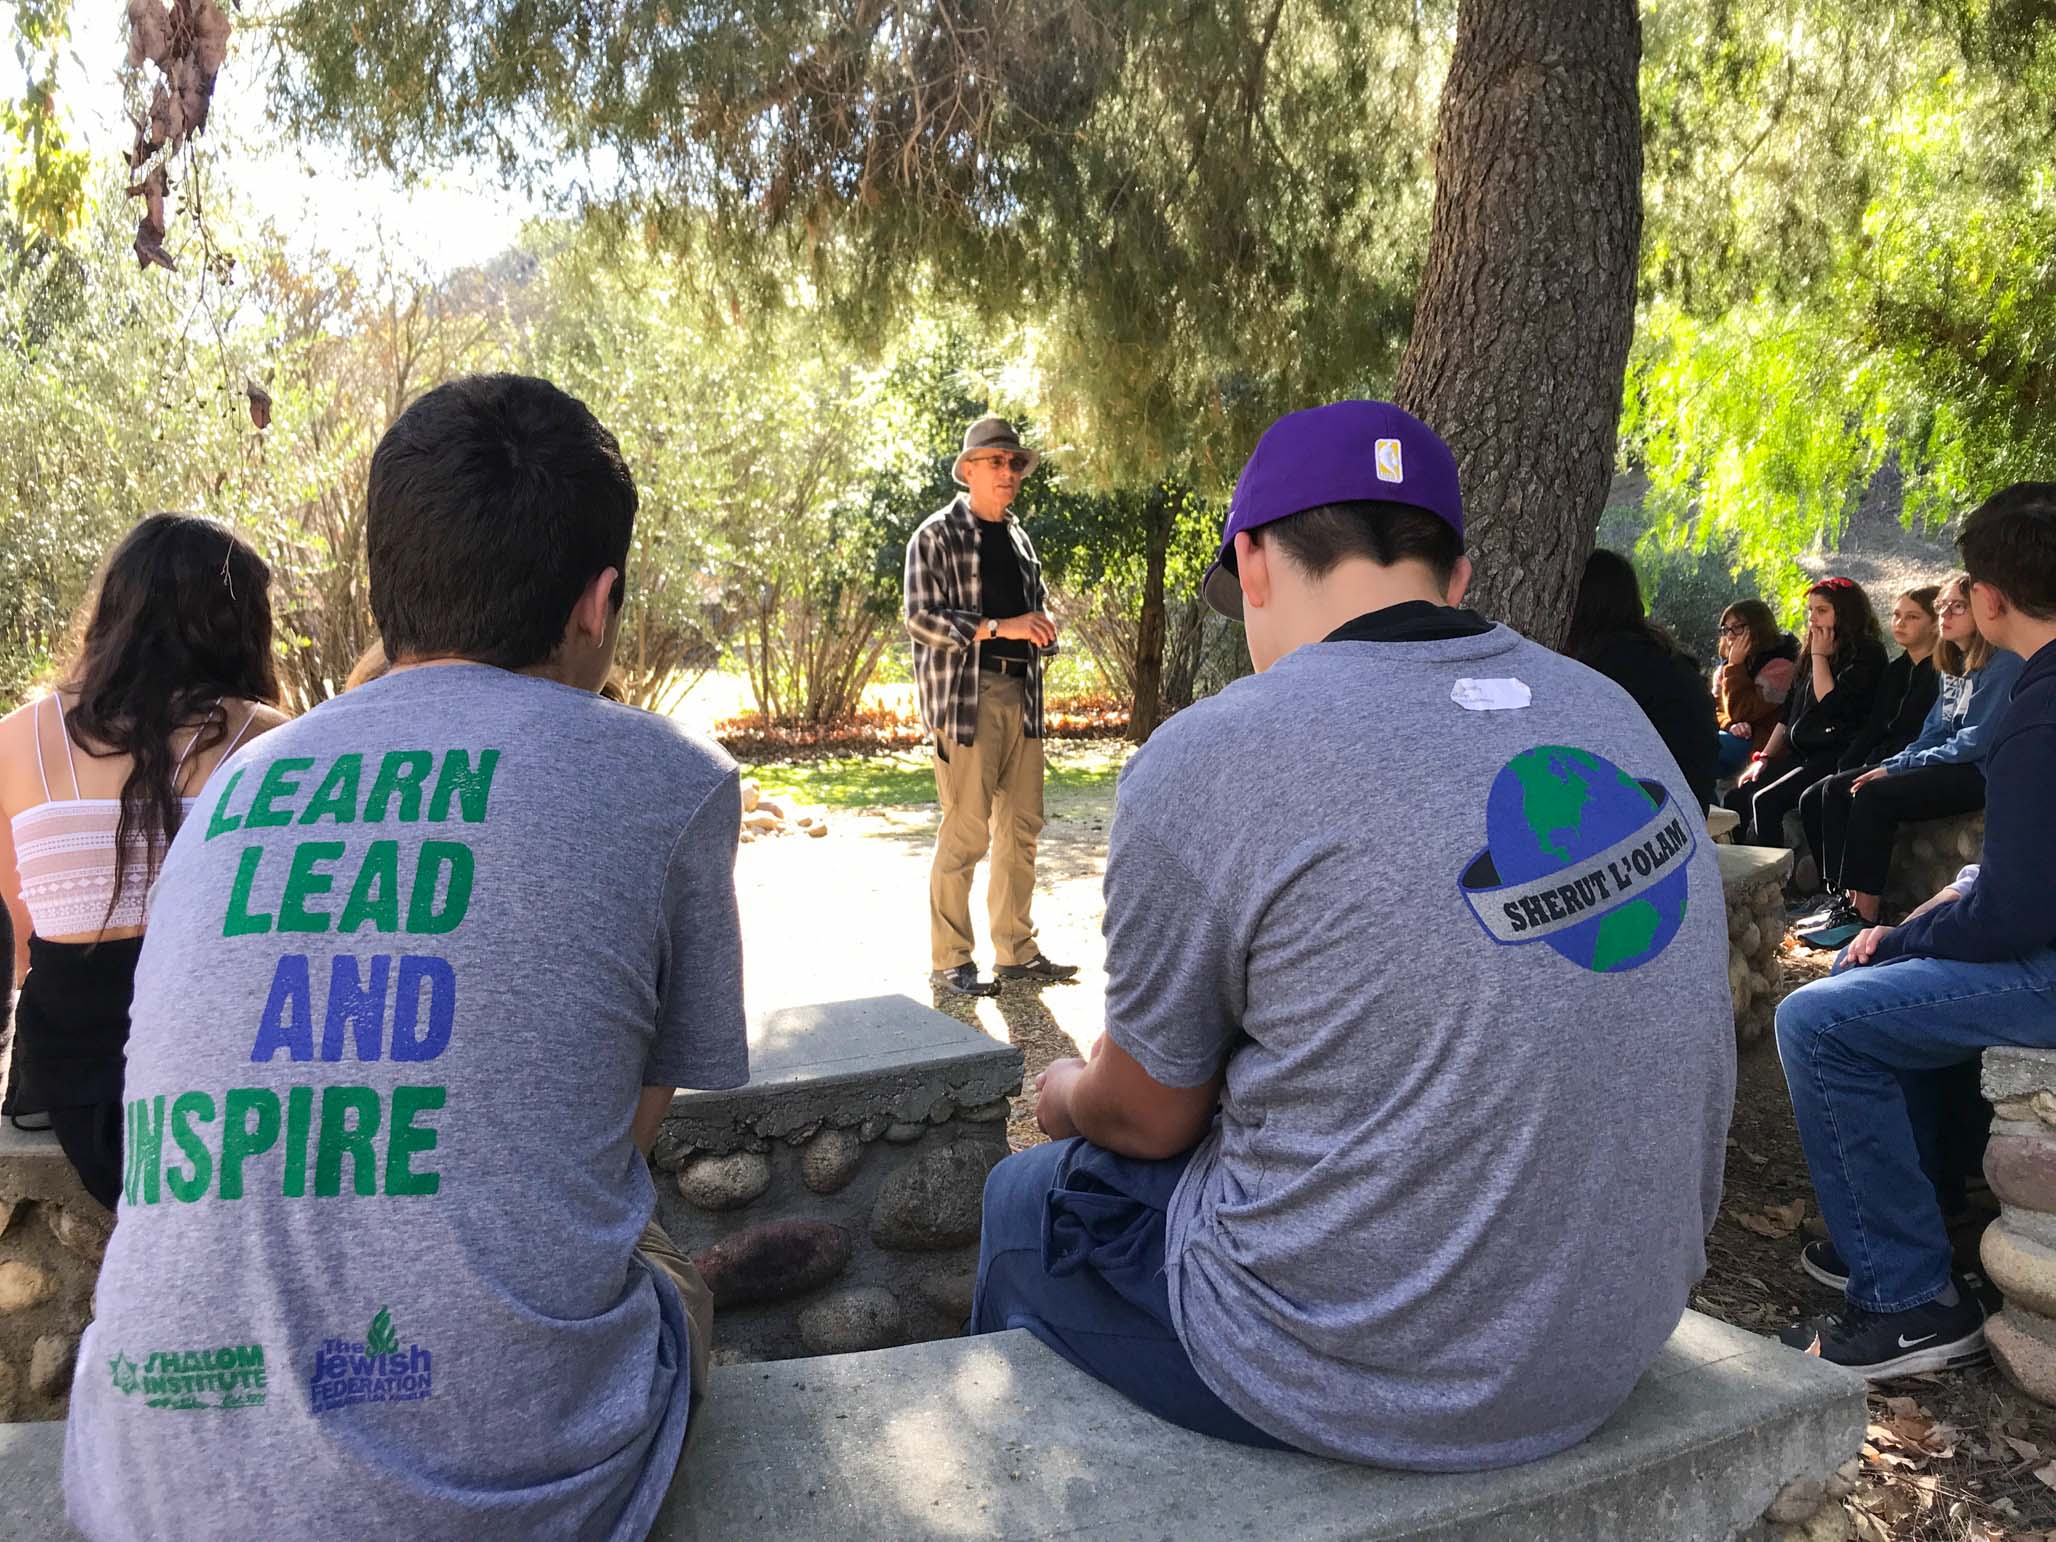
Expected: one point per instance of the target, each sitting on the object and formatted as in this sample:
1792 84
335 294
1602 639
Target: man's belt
1001 665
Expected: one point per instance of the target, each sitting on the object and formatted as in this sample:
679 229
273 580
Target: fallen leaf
2026 1450
2046 1474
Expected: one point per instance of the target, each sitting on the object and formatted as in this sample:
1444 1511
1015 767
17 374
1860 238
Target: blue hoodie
1959 725
2010 911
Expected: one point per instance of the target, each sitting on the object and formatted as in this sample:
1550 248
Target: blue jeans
1073 1251
1858 1049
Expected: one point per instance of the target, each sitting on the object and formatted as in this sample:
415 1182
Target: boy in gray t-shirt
1407 1127
422 971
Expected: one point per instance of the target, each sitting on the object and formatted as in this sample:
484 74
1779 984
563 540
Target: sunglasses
1016 463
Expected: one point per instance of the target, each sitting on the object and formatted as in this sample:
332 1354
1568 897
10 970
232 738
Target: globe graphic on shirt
1554 808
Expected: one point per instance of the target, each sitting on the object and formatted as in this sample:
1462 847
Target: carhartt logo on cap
1389 468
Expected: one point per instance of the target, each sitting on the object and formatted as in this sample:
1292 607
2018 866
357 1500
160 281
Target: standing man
978 614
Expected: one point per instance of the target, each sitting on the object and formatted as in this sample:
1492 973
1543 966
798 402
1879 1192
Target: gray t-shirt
409 963
1468 969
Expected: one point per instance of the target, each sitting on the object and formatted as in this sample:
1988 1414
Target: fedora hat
991 434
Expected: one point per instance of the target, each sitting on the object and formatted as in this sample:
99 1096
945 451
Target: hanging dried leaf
260 405
150 246
149 32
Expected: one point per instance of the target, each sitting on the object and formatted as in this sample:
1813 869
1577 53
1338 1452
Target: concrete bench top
1745 867
998 1437
889 1054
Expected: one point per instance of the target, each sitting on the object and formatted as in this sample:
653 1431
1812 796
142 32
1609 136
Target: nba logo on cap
1389 468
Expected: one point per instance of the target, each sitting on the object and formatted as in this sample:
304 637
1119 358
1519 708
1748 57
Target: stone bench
834 1201
1926 856
1753 881
2019 1249
52 1236
998 1437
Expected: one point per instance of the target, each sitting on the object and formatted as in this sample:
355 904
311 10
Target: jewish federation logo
1390 468
1583 857
375 1369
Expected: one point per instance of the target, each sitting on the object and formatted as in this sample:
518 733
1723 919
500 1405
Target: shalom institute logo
229 1377
378 1369
1583 857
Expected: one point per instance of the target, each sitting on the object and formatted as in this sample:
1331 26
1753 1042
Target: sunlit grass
904 778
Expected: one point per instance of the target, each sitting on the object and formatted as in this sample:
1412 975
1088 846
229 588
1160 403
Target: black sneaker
1882 1345
964 981
1037 968
1837 929
1820 1260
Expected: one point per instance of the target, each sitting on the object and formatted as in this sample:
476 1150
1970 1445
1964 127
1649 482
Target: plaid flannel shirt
942 615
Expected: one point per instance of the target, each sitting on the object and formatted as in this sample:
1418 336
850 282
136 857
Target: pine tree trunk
1526 308
1148 705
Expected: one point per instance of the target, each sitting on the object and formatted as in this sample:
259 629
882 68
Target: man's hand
1034 627
1862 950
1874 774
1053 1097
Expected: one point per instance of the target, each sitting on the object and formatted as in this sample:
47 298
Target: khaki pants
991 794
656 1246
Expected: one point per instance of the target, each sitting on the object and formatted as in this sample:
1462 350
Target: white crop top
64 851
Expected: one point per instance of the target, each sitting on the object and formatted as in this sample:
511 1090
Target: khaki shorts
657 1246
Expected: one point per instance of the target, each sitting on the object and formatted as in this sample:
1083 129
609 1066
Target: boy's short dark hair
493 501
2009 542
1388 533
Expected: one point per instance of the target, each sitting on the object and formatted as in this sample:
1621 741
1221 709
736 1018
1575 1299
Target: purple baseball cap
1345 452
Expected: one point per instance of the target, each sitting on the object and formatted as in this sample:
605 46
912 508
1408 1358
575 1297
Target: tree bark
1527 305
1148 705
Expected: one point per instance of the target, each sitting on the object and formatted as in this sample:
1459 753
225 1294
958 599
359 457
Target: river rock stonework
851 1173
1927 855
2019 1249
52 1235
1753 882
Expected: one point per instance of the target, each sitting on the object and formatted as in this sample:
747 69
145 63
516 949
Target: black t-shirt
1003 593
1411 621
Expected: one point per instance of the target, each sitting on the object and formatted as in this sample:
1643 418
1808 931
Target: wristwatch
992 626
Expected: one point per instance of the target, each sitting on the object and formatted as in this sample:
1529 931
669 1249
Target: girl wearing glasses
1837 682
1755 676
1939 774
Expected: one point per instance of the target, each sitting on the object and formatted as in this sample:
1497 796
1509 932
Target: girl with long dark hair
1610 632
1938 774
173 671
1836 684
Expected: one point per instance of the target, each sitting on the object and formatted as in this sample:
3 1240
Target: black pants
1857 829
71 1028
90 1138
1763 805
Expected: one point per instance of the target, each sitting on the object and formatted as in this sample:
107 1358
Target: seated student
424 969
1612 633
174 670
1939 774
1752 681
1973 968
1839 670
1344 1097
1906 691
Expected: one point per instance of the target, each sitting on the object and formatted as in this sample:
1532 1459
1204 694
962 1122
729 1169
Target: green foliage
45 173
1904 307
902 779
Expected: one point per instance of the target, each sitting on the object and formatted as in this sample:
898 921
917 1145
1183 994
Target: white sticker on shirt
1507 695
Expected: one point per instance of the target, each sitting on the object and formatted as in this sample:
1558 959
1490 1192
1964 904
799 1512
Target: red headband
1832 585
